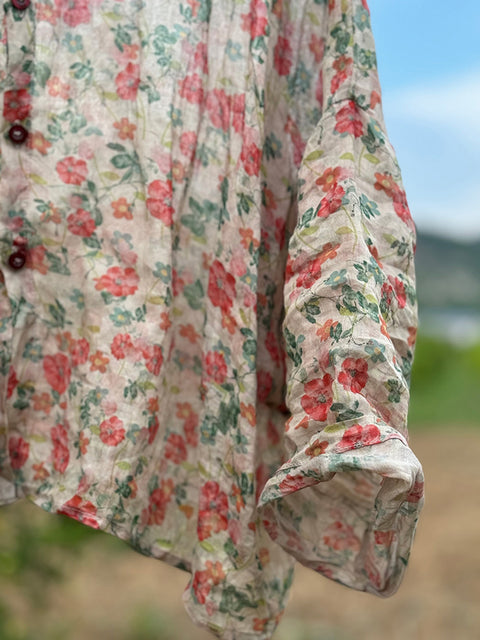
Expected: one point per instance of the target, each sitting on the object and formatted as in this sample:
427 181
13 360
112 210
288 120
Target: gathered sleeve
346 501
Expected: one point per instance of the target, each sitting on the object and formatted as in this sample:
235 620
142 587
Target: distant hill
447 272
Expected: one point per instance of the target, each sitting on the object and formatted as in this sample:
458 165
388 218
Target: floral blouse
208 309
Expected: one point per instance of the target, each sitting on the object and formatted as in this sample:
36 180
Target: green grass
445 385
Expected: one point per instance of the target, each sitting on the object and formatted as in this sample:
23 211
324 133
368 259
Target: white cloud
452 103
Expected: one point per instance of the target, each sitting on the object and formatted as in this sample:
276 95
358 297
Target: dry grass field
111 593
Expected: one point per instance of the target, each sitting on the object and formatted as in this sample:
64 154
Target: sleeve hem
348 514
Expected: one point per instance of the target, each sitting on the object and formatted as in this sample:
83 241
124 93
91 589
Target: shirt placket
17 81
16 111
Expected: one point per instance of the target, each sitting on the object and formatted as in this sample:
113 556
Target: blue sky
429 65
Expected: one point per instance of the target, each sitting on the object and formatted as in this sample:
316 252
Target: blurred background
62 580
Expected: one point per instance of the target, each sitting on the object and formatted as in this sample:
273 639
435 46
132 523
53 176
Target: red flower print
316 448
201 57
40 472
416 493
374 251
282 56
239 501
317 398
290 483
273 432
81 223
12 382
153 358
238 111
153 427
317 47
354 374
401 207
83 442
159 499
251 156
188 331
331 202
61 454
73 12
349 120
112 431
218 107
264 384
412 336
330 177
119 282
399 288
159 204
126 129
375 98
297 140
385 182
42 402
185 412
201 586
221 286
79 351
213 510
190 429
57 372
122 346
175 449
98 362
191 89
310 273
122 209
343 66
35 259
384 538
256 20
177 283
204 580
165 322
127 81
324 330
17 105
71 170
215 366
81 510
248 411
188 144
358 436
341 536
273 347
18 450
260 624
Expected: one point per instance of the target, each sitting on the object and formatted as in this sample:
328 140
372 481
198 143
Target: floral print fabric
207 350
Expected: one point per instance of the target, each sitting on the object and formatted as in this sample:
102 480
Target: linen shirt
208 305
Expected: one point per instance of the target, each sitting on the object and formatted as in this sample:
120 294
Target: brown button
21 4
17 134
17 259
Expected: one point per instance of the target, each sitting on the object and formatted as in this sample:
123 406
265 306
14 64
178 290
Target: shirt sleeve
346 501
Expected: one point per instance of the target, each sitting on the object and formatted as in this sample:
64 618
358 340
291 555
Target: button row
17 135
